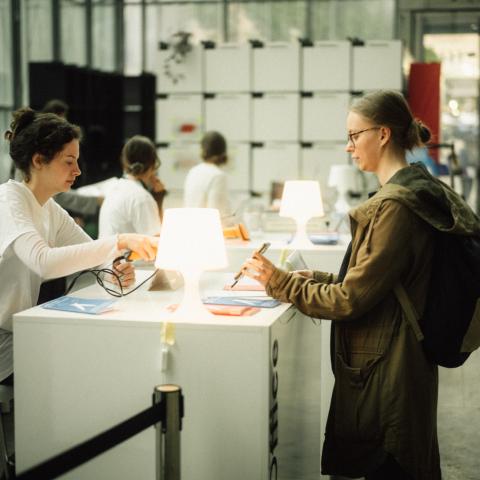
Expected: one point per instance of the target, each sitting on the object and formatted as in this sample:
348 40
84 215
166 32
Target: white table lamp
191 241
301 200
344 179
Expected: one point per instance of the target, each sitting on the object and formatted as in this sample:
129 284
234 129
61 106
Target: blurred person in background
135 203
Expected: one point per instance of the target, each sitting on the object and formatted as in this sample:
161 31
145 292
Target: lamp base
342 205
300 240
191 308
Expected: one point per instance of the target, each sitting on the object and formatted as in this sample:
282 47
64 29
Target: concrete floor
458 421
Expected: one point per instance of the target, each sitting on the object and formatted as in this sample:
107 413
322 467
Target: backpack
450 326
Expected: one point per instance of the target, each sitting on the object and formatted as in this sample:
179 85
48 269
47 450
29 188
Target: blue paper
325 238
92 306
242 301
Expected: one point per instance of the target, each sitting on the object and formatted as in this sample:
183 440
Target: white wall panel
276 117
324 117
179 118
276 67
228 68
326 66
275 162
177 159
188 73
377 65
229 114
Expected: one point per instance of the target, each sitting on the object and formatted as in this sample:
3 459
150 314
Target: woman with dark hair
134 204
206 183
383 415
38 239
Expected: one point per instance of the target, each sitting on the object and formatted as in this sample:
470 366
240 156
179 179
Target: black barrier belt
89 449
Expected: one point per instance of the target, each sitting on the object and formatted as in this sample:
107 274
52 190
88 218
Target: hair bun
136 168
423 131
22 118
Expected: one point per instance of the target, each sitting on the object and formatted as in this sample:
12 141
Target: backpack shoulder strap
409 310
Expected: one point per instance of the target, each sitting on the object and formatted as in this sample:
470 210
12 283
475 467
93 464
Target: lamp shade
191 239
343 177
301 199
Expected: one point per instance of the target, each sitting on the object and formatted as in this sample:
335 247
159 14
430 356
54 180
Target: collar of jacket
427 196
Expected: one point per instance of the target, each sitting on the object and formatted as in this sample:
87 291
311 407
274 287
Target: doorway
452 39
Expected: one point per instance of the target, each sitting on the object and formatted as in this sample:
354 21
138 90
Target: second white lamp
191 241
344 179
301 200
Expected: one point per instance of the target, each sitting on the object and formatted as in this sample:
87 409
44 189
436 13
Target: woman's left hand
126 273
259 268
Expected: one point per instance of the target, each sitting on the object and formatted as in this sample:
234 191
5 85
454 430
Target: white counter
77 375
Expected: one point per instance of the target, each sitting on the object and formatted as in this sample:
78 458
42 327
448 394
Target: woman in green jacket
383 415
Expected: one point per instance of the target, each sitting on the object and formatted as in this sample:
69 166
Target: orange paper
228 310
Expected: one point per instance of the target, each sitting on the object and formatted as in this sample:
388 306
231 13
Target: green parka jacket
385 394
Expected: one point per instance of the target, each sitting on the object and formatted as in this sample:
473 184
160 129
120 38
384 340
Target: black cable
97 273
75 456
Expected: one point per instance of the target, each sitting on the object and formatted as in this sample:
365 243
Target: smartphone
261 250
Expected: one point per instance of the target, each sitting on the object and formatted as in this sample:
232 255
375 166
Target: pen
239 275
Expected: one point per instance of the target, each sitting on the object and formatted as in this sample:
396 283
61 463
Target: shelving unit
281 106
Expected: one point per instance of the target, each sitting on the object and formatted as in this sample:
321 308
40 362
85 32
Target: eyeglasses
354 135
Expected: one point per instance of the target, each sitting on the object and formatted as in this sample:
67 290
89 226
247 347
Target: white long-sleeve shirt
129 208
37 242
206 187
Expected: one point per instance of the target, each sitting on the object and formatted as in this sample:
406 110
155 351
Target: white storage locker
326 66
238 166
315 165
188 74
324 117
177 159
276 67
228 68
276 117
377 65
179 118
229 114
275 162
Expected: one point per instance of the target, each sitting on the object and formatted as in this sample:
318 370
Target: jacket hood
430 198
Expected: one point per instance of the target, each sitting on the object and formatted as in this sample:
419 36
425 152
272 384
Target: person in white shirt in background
38 239
206 183
134 204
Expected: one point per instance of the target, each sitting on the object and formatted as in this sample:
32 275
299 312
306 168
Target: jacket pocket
358 399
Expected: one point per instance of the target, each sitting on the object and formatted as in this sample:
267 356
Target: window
103 36
73 33
267 21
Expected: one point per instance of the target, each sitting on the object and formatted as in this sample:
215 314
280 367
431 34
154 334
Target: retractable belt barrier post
166 414
168 448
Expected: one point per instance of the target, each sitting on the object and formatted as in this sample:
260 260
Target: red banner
424 98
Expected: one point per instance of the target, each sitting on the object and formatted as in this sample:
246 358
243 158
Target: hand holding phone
261 250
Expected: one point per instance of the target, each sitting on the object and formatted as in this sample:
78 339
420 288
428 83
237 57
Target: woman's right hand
259 268
144 246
